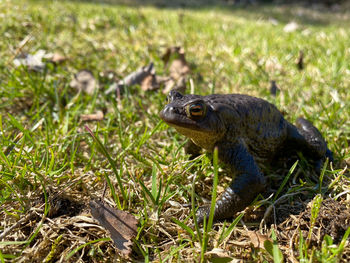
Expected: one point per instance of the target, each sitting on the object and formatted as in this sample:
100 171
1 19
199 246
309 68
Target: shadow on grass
307 14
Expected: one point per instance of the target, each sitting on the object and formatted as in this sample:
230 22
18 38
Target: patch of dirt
284 211
61 205
18 105
333 220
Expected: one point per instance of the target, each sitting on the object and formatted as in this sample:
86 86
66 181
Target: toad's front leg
248 182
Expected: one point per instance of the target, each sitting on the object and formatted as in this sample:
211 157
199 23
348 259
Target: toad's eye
195 110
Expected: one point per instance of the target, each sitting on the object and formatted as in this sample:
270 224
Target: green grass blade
322 175
208 227
277 253
285 180
111 162
184 227
214 192
5 160
19 126
154 182
84 245
7 243
193 206
316 205
338 252
174 251
147 192
229 230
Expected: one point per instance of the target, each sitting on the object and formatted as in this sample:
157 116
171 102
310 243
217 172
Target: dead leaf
290 27
138 76
166 56
133 78
272 65
273 88
150 83
57 58
179 66
300 61
178 69
98 116
257 239
178 85
21 45
32 62
219 255
85 81
121 225
162 79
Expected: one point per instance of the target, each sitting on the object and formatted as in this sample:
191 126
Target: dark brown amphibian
248 132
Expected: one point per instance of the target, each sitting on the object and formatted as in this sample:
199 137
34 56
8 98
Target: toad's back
256 122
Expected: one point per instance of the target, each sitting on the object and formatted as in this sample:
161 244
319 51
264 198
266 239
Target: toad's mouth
181 122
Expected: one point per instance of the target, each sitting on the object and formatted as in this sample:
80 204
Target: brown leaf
162 79
257 239
219 255
150 83
169 51
178 85
121 225
85 81
178 69
138 76
133 78
273 88
300 61
97 116
57 58
179 66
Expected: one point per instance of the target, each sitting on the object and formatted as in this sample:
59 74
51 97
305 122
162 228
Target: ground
51 167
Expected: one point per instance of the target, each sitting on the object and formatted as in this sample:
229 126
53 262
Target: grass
50 167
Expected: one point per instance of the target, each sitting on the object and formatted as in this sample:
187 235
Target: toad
249 133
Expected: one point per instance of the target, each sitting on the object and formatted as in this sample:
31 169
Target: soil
333 220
